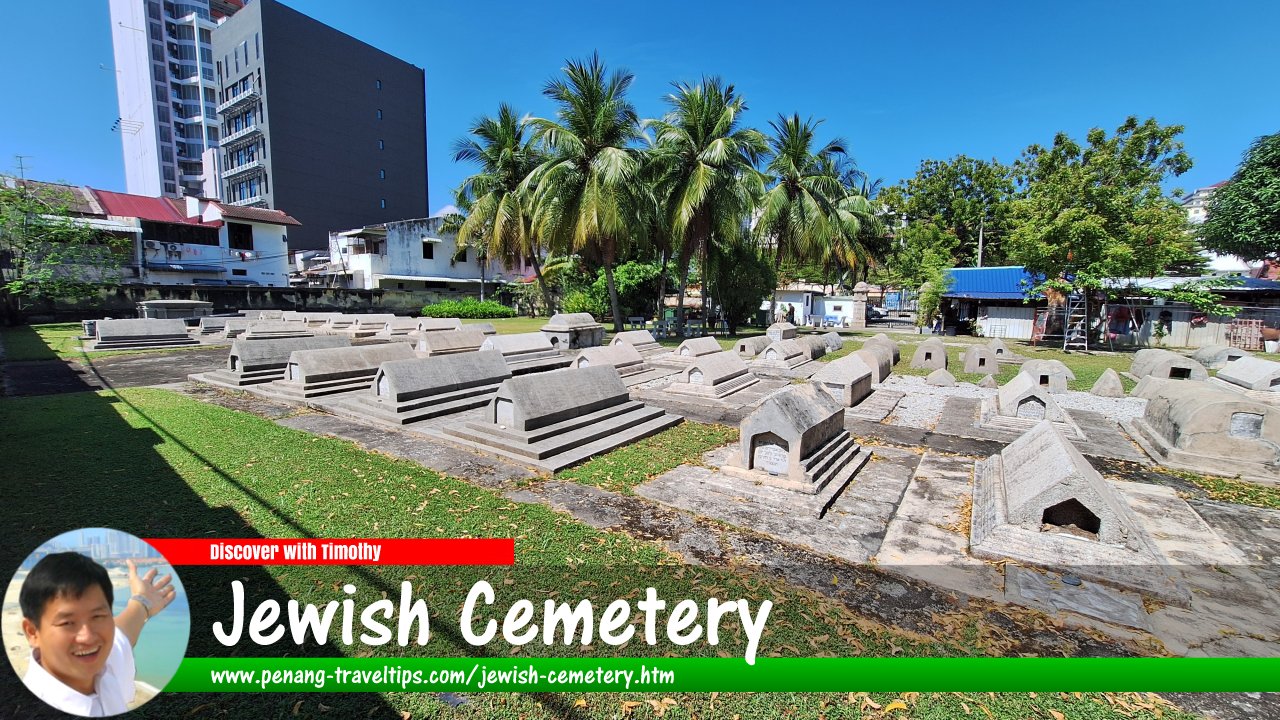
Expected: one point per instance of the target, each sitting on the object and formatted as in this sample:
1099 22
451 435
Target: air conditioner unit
151 245
172 247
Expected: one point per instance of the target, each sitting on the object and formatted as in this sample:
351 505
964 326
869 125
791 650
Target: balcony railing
248 132
253 200
245 97
251 166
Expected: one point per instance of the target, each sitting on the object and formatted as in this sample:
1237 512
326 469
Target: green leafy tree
1244 214
496 217
1097 211
798 213
581 195
741 277
636 284
965 196
46 253
704 168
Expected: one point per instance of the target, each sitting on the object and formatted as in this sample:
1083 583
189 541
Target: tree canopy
46 252
1244 214
963 196
1097 210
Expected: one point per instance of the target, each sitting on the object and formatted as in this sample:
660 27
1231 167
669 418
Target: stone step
561 442
828 456
573 423
479 391
543 364
574 455
365 405
832 486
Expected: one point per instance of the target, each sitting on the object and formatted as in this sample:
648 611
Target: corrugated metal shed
1009 282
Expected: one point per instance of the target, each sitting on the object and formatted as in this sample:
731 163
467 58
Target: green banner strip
727 675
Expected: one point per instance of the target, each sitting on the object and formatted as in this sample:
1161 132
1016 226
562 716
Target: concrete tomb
409 391
988 382
486 328
796 441
1198 427
449 342
816 344
717 376
1166 364
573 331
780 331
641 340
781 357
1021 404
269 315
316 373
750 347
1052 374
338 322
141 334
879 358
252 362
317 319
234 327
940 378
930 355
1215 357
1252 373
369 325
981 359
622 357
438 324
269 329
1040 502
1108 385
214 324
882 339
847 379
697 347
1002 352
526 352
557 419
833 340
399 327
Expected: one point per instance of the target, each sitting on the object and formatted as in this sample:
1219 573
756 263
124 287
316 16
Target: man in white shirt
80 664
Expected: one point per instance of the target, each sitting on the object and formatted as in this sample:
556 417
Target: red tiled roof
262 215
146 208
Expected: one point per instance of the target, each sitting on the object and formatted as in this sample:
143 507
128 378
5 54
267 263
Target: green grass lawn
159 464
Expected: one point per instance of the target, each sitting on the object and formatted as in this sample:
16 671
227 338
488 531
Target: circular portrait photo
95 622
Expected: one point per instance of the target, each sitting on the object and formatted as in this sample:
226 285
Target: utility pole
981 220
22 167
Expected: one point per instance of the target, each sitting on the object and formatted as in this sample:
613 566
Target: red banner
336 551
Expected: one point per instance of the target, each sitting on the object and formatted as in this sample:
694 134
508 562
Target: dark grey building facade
318 124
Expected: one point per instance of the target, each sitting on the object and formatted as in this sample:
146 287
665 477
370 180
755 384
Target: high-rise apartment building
318 122
167 88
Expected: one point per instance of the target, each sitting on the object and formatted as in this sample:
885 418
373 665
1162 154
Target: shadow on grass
107 473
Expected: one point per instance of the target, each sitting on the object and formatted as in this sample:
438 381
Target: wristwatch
144 602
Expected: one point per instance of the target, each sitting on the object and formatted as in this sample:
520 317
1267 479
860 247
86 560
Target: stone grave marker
847 379
573 331
412 390
141 334
980 359
1166 364
262 361
930 355
449 342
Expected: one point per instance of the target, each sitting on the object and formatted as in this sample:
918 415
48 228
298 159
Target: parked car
876 313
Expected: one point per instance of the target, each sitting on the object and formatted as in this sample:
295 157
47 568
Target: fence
1170 325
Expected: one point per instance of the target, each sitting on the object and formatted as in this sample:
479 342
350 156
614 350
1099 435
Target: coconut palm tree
798 215
497 218
580 195
704 169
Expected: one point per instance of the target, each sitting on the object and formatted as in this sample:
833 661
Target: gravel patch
922 404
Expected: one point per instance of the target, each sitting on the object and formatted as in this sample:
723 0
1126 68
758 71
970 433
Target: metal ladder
1075 334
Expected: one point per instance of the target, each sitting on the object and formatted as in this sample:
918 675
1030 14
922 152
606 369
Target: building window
428 251
171 188
399 286
239 271
379 113
239 236
378 83
382 145
383 203
157 53
382 174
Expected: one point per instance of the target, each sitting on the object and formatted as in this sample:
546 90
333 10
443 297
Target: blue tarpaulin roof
989 283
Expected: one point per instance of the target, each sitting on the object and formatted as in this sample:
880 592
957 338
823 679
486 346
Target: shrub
468 308
578 301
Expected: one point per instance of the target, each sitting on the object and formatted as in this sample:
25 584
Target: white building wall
139 134
1007 321
267 264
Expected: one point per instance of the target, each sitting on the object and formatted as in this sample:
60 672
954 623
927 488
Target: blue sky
899 82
